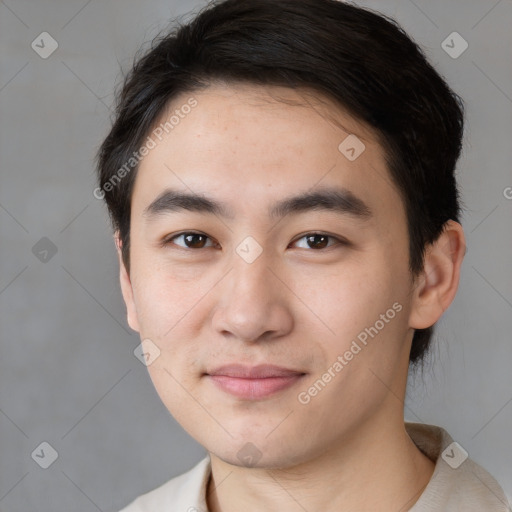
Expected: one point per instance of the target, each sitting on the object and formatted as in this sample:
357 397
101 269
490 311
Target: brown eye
195 241
190 240
318 241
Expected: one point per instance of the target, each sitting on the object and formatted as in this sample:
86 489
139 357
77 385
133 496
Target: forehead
251 145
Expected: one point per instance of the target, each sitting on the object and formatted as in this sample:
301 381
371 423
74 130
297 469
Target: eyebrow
339 200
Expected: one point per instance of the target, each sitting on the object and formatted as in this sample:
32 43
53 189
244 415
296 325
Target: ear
126 287
437 284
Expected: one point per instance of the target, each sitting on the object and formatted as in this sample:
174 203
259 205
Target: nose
252 303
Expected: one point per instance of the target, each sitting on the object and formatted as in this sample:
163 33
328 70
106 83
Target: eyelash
169 240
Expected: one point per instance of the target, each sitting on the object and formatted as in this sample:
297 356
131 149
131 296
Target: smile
253 383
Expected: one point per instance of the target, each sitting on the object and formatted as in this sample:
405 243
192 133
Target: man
280 177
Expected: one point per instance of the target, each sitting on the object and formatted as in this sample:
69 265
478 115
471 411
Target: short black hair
361 59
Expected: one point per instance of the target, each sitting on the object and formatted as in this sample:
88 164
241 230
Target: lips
253 382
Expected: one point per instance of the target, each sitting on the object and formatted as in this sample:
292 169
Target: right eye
190 240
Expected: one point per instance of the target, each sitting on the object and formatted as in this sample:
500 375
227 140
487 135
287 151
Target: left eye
317 241
192 240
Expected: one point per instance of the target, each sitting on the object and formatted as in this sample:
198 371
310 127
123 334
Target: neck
377 467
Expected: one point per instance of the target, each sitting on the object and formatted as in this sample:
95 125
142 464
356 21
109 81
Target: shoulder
458 483
183 493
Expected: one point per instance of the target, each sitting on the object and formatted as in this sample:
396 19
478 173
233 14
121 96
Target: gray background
67 369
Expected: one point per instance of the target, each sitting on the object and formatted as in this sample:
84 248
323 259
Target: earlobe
126 287
437 284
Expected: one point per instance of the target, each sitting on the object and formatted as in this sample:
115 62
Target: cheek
365 314
364 355
163 296
347 299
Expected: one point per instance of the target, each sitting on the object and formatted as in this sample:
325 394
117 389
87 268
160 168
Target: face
277 322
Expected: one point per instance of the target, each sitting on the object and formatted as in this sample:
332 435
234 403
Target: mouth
253 383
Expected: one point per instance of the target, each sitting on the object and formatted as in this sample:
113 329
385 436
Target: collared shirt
457 485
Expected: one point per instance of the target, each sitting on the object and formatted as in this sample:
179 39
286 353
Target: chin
258 451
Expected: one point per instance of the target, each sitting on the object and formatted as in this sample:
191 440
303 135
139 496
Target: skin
295 306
